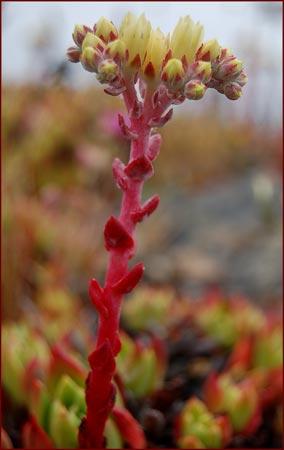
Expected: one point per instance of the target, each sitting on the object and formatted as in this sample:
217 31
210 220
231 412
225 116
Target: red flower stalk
119 241
166 72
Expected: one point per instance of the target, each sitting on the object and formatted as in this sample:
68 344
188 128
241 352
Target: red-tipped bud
194 90
105 30
93 41
131 279
232 91
173 74
225 53
116 236
116 50
208 51
108 71
73 54
90 59
241 79
200 70
139 169
228 68
139 214
79 34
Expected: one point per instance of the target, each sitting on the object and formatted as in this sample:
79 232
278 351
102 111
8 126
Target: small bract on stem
152 72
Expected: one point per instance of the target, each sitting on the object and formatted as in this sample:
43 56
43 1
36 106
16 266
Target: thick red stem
119 235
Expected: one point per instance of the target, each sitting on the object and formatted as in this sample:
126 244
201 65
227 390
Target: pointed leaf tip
131 279
97 297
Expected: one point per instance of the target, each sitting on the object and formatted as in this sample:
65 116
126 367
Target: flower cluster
181 63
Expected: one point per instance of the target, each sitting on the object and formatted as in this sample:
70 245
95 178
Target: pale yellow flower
156 51
186 39
135 33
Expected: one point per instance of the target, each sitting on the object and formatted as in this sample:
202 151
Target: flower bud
194 90
105 30
90 59
173 74
108 70
228 68
232 91
93 41
241 79
208 51
79 34
200 70
225 53
73 54
116 50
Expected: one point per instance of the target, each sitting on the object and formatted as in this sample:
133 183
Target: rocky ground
228 235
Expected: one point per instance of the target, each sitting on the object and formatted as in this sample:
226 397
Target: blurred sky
35 36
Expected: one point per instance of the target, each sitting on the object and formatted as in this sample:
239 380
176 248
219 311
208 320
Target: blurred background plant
219 219
57 191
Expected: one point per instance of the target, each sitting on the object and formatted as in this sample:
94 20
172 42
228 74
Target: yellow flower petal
155 53
135 32
186 38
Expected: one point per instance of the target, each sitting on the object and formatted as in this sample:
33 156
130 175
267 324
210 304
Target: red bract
139 214
129 281
139 169
116 236
97 297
